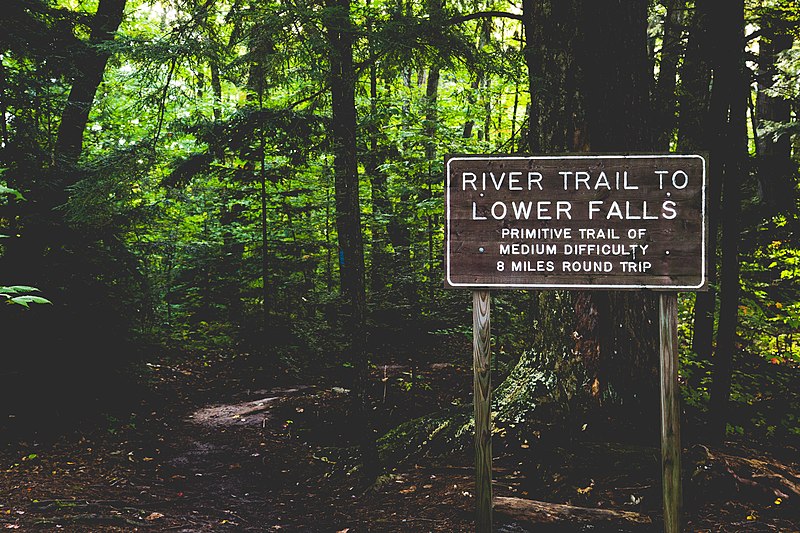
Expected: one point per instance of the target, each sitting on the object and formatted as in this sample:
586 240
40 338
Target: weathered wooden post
482 385
670 412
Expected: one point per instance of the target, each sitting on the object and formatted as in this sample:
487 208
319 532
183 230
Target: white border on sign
577 285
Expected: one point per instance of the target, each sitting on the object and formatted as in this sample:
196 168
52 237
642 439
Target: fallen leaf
409 490
153 516
345 530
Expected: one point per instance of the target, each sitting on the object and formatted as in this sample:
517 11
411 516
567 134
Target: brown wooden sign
576 222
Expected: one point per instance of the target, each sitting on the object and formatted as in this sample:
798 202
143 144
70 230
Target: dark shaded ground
210 448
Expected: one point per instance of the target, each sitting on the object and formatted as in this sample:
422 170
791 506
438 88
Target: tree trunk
664 96
617 75
618 118
3 107
44 226
587 96
216 87
731 75
431 118
556 121
701 117
381 207
775 168
341 35
69 142
694 91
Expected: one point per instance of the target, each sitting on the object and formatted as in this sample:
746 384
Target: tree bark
694 91
556 122
619 119
381 207
341 35
69 142
664 95
701 117
590 90
730 73
775 168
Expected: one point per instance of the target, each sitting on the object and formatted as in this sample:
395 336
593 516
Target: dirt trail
201 457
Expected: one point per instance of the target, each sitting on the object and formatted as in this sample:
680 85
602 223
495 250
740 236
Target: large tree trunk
590 83
730 76
699 129
341 35
614 60
556 121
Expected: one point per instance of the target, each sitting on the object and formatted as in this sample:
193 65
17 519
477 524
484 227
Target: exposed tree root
735 477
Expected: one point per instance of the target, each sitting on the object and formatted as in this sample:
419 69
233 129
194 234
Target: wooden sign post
619 222
482 387
670 412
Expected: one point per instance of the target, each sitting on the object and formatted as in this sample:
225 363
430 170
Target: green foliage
19 294
202 209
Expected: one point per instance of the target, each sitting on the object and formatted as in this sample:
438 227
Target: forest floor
210 448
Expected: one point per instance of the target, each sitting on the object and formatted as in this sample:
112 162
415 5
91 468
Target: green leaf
13 192
18 289
25 301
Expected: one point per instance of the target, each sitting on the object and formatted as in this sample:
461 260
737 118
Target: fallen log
561 516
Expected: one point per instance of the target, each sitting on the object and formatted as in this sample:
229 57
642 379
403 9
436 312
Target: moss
432 435
547 385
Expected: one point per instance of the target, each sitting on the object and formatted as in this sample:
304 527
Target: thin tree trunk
3 107
664 96
216 87
381 207
105 23
348 218
265 299
431 118
466 133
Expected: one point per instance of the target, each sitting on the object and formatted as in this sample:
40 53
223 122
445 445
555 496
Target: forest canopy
234 176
